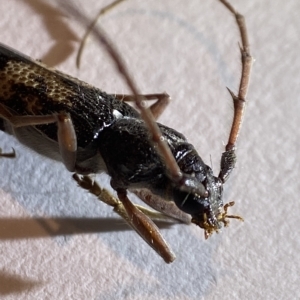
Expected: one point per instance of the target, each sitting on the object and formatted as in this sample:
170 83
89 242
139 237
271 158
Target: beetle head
208 211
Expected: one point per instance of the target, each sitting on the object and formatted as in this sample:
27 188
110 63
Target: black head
208 211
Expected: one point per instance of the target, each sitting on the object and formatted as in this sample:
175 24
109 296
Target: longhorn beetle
90 132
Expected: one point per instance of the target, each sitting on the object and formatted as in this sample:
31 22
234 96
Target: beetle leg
136 216
167 208
67 140
66 135
146 228
157 108
103 195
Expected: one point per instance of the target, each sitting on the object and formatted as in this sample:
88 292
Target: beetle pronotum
91 132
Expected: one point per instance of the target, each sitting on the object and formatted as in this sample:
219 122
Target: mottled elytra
91 131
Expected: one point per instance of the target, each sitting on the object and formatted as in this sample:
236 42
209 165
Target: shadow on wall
57 26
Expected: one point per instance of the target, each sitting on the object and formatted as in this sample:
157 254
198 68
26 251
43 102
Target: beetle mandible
90 131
